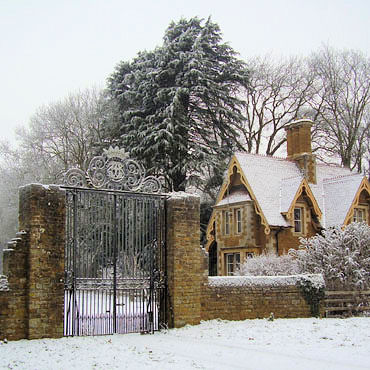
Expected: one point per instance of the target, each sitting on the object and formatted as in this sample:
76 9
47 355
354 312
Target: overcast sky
50 48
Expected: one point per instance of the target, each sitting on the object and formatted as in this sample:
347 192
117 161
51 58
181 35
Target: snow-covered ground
282 344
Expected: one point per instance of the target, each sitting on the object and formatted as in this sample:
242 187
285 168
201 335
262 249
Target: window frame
363 211
298 221
238 220
227 223
231 260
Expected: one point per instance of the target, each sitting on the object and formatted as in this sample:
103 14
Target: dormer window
238 220
298 220
226 222
359 215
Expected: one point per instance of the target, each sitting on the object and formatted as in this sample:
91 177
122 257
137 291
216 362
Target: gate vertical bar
114 241
162 315
74 258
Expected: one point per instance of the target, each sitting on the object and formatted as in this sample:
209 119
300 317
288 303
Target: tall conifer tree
178 104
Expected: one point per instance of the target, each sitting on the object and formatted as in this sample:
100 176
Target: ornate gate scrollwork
113 170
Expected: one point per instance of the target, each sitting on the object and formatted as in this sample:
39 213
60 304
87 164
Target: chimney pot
299 147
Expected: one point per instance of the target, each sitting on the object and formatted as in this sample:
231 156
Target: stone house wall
288 239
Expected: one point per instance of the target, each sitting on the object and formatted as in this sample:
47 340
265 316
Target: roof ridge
341 177
293 177
263 155
332 165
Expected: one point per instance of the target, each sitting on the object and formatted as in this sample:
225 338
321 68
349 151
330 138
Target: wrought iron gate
114 262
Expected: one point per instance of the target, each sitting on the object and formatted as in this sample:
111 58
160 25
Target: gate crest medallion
113 170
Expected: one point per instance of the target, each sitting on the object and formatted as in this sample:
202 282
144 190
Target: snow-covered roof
236 196
339 194
265 175
275 182
335 190
288 191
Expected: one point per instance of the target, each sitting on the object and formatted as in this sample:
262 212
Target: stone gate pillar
42 217
185 262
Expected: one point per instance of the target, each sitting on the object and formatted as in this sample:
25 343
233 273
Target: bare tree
278 92
60 135
12 175
340 105
66 133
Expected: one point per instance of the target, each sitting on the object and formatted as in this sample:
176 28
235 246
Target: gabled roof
275 183
335 191
265 176
339 194
288 190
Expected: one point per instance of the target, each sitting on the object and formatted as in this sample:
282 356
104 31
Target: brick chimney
299 147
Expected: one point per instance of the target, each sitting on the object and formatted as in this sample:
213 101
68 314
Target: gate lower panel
90 312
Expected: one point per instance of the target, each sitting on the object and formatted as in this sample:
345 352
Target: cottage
266 203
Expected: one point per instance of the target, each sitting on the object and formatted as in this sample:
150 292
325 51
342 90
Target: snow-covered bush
269 265
342 256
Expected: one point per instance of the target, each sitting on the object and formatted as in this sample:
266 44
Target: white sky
49 48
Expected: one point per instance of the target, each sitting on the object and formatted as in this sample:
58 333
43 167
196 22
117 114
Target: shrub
342 256
269 265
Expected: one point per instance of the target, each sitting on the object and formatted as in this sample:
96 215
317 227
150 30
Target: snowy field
282 344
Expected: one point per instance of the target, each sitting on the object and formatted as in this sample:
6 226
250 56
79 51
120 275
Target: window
232 263
227 222
250 254
238 220
298 220
359 215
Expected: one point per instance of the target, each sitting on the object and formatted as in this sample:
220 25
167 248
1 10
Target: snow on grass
251 344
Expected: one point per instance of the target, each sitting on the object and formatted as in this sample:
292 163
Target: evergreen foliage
178 104
313 294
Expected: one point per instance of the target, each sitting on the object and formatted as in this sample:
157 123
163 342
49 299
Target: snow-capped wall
251 297
317 281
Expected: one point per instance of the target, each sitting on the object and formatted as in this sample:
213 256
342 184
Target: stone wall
238 301
32 306
184 260
13 290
